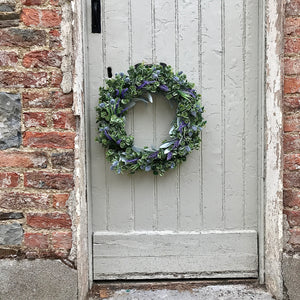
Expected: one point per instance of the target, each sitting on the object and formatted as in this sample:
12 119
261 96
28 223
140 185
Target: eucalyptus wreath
122 93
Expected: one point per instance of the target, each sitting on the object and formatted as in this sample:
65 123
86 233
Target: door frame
271 187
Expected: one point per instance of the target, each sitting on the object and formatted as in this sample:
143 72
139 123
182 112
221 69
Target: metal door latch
96 16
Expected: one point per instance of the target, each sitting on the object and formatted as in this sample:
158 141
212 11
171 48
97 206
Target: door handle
96 16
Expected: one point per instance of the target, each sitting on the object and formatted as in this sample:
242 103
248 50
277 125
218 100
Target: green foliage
122 93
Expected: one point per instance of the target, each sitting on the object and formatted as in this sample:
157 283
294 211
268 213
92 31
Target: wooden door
200 220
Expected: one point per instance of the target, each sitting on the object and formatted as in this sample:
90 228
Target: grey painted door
199 220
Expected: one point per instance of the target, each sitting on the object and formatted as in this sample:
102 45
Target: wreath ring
122 93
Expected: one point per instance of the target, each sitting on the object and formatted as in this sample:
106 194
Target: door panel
199 220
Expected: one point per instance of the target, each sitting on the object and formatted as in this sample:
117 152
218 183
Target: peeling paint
273 184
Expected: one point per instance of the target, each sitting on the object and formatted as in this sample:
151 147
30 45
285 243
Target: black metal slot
96 16
109 72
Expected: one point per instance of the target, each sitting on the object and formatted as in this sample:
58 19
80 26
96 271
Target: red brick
36 240
291 123
43 18
8 59
23 79
41 59
62 160
291 180
60 200
292 162
292 8
20 159
54 39
293 217
24 201
22 37
291 85
295 236
33 2
47 100
35 119
30 16
55 79
292 46
291 198
291 103
48 220
291 142
9 179
64 120
54 2
63 140
291 66
62 240
43 180
50 18
292 26
37 100
61 100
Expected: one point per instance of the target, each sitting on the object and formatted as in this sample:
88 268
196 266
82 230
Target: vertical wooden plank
251 113
165 31
166 185
212 99
190 175
96 153
234 114
117 57
143 114
166 193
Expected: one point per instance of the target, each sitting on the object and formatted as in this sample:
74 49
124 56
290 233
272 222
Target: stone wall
37 129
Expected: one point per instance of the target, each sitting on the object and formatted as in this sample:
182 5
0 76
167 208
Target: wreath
122 93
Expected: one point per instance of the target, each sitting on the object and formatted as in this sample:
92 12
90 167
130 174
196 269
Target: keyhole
109 72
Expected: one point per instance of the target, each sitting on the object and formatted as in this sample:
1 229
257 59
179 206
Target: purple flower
117 92
119 142
176 144
179 73
172 165
148 168
164 88
117 105
154 76
144 84
123 93
101 105
121 74
153 155
169 156
107 135
127 79
131 161
181 126
190 92
187 148
194 127
176 78
112 101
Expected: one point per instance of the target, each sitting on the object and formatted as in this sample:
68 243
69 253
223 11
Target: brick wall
291 139
37 132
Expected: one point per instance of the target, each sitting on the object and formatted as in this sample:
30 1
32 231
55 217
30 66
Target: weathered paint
273 151
216 188
272 220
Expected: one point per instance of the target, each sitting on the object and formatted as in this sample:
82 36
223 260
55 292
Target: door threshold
109 289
